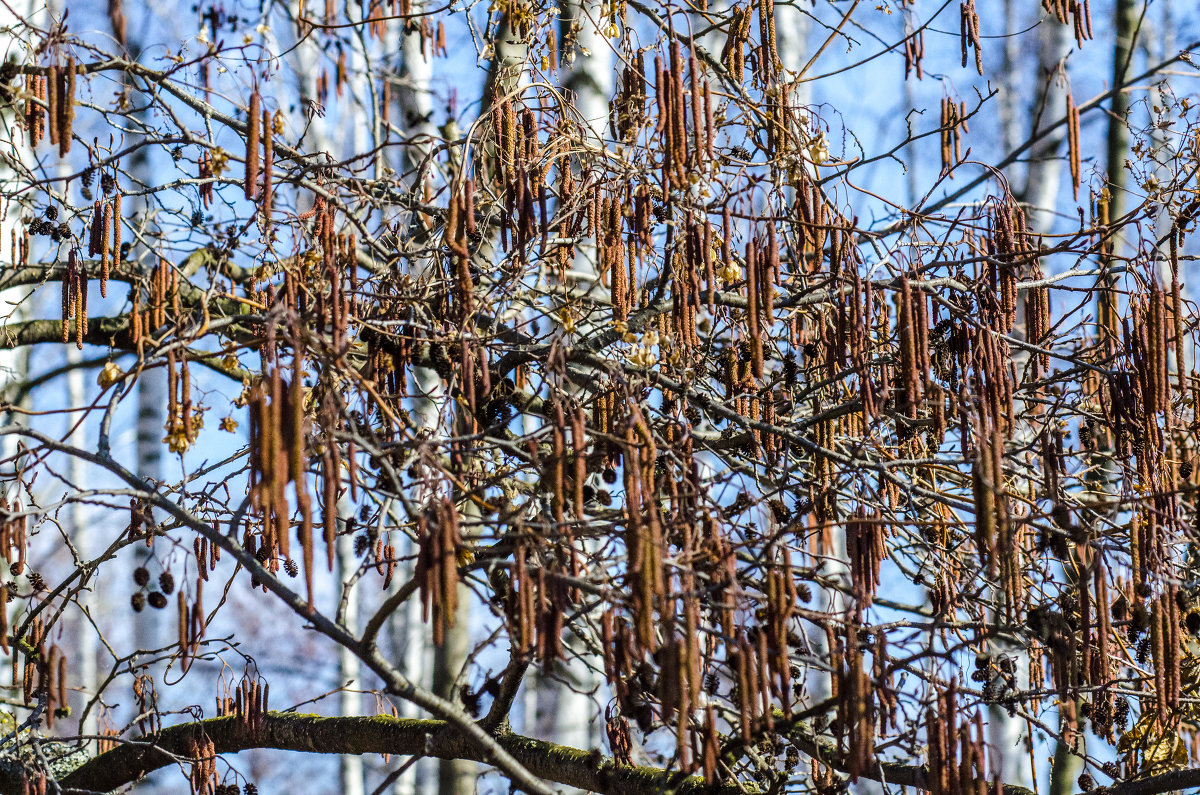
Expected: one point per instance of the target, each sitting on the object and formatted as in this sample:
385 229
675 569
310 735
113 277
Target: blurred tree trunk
792 30
1042 181
349 666
14 364
353 117
455 776
1157 42
411 641
1041 198
588 68
86 646
86 641
150 627
414 100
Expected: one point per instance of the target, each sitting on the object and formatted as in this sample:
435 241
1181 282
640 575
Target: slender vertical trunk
588 72
349 667
415 102
86 645
307 56
14 364
85 635
1007 733
150 628
1125 18
1156 44
411 640
1041 197
152 397
455 776
792 30
1045 165
1009 80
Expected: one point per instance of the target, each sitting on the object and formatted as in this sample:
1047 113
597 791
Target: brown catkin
97 225
268 139
1073 143
753 307
52 111
80 305
172 387
945 136
710 130
185 379
116 230
135 320
67 105
579 442
205 176
252 121
182 614
960 127
68 302
698 126
61 679
1157 630
106 252
1177 325
33 111
27 681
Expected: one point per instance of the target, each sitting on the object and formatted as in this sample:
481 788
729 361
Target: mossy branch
587 770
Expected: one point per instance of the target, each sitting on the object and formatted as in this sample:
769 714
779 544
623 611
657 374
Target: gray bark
349 666
86 646
588 72
1041 197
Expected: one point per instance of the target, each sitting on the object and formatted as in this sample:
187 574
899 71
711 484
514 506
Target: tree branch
374 735
587 770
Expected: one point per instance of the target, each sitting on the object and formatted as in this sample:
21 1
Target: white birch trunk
792 30
14 364
349 666
305 60
414 101
589 73
1045 165
1007 734
86 645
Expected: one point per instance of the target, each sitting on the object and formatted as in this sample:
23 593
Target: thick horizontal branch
1153 785
384 734
587 770
110 331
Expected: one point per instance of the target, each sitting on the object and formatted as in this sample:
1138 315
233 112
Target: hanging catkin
252 134
81 291
66 109
268 144
53 113
35 113
1073 143
106 252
